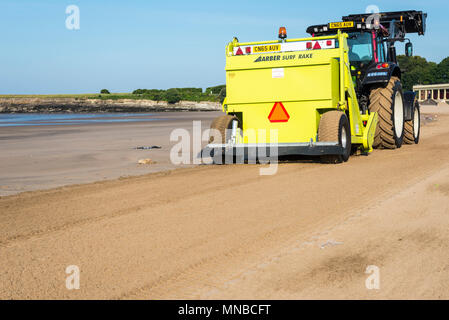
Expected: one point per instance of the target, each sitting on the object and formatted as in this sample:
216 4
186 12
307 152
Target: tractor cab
371 41
371 37
362 54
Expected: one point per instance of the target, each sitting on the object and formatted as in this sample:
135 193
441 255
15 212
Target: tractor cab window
360 48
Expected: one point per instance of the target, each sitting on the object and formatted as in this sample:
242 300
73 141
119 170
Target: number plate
340 25
267 48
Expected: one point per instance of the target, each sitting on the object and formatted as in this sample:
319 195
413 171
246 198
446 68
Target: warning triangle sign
278 113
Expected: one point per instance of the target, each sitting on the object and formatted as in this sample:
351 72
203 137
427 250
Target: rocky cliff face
49 105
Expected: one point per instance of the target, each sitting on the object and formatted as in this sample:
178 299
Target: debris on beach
330 243
147 148
430 118
146 161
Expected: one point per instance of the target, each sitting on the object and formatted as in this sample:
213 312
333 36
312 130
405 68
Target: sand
42 157
213 232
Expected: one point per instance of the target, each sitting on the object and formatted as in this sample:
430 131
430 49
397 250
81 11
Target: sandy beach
220 232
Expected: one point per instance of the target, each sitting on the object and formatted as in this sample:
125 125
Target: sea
53 119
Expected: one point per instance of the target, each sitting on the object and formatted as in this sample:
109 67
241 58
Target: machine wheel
412 128
221 134
388 102
221 125
334 126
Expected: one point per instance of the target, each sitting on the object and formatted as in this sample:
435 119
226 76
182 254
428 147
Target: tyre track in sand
31 204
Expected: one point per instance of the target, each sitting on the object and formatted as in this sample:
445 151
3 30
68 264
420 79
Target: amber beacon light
282 33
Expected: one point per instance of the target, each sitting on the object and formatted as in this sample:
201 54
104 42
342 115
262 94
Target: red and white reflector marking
288 47
278 113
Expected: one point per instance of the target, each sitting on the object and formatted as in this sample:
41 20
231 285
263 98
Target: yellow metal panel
295 83
335 83
301 126
368 135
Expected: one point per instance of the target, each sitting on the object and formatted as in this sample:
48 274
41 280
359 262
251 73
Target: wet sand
43 157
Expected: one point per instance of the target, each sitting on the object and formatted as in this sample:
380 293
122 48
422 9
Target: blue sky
125 45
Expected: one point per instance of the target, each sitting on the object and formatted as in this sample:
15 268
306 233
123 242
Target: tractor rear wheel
412 128
388 102
334 127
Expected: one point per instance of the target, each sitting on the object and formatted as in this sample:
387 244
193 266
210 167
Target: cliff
50 105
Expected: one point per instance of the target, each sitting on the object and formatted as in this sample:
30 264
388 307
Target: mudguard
409 102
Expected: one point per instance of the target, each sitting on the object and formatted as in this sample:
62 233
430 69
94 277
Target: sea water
49 119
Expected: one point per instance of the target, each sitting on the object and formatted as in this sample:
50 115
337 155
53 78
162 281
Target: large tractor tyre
221 128
334 127
388 102
412 128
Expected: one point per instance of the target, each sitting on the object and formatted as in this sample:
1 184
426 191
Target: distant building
435 92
